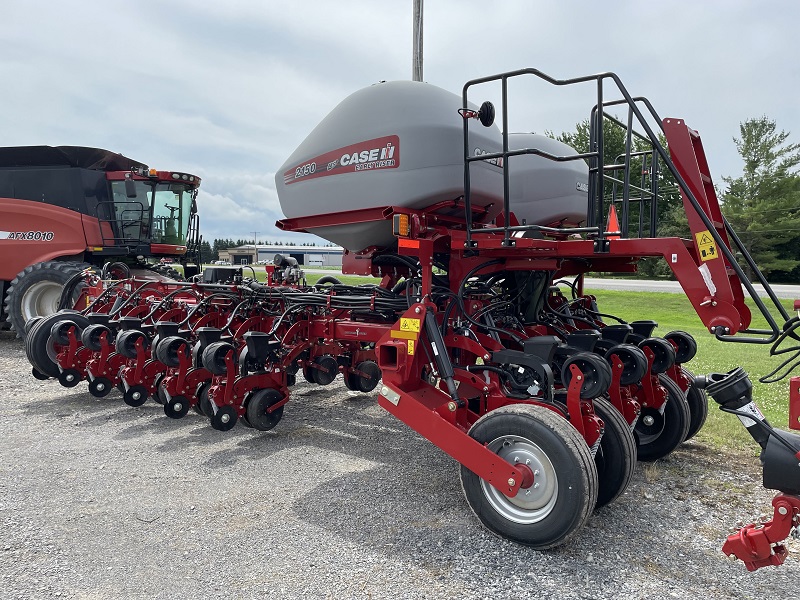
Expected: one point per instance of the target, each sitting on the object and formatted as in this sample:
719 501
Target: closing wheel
41 349
327 370
616 456
698 405
100 387
659 434
564 489
634 362
224 419
176 407
136 395
257 407
91 336
214 357
69 378
595 371
685 345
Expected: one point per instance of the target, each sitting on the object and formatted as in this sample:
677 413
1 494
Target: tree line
762 204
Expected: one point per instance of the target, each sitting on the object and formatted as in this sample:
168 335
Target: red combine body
64 209
545 399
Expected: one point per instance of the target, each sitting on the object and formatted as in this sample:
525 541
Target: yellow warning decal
411 347
407 324
403 335
706 246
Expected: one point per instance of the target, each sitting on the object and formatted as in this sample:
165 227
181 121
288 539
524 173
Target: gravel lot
100 500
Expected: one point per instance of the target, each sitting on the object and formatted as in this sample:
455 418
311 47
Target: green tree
763 203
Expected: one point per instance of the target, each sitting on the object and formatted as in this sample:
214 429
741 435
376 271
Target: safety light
401 225
176 176
153 172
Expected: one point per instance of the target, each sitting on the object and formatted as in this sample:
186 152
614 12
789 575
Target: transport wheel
136 395
214 357
176 407
224 419
540 516
91 336
595 370
69 378
37 375
257 414
100 387
40 348
616 457
698 406
657 435
36 291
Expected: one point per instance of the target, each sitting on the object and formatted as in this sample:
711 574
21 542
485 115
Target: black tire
658 435
161 392
136 395
126 342
176 407
363 384
36 291
69 378
698 405
225 418
633 360
39 347
203 406
213 358
616 456
257 405
167 350
595 370
92 336
664 354
567 477
59 332
100 387
685 345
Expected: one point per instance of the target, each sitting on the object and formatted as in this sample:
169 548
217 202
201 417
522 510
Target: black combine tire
544 515
657 435
616 456
257 415
40 348
36 291
698 405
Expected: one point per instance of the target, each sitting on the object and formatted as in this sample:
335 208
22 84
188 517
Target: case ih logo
370 155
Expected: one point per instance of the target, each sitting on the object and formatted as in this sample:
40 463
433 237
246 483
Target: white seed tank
401 143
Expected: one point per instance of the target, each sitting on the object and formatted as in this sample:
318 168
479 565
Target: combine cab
68 208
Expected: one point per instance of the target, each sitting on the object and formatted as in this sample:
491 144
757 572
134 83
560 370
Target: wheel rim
41 299
649 426
534 503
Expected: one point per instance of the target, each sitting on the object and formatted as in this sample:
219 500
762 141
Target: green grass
674 311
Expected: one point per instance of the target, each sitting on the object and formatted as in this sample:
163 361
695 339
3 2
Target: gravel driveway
101 500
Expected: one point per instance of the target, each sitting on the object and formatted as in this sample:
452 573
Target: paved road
791 292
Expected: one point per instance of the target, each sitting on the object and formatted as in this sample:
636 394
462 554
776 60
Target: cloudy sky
227 90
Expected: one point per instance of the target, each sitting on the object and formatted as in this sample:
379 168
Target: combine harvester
545 399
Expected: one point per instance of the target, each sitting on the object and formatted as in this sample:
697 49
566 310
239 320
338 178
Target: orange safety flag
613 224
